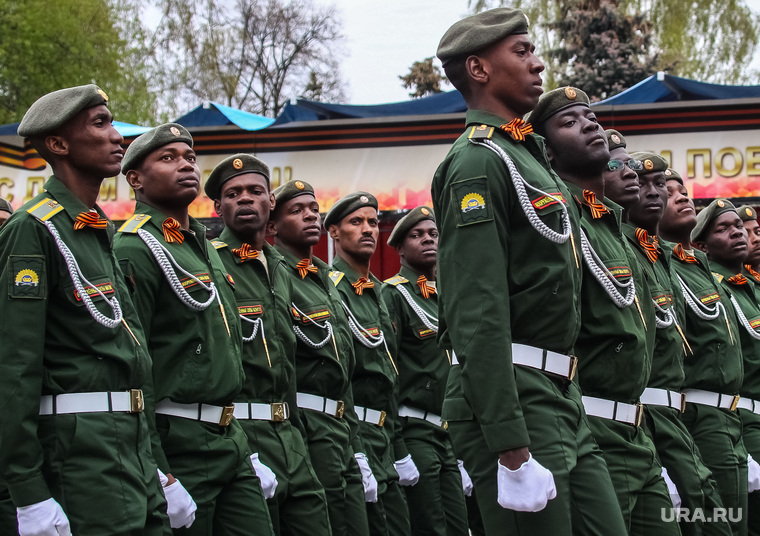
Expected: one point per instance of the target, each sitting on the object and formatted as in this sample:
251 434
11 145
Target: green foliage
424 78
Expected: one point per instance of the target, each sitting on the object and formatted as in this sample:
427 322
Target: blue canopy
212 114
125 129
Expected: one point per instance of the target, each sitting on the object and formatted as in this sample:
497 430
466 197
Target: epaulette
45 209
134 223
718 277
335 277
395 280
483 132
218 244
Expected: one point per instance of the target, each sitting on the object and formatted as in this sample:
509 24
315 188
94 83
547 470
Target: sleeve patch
27 277
472 200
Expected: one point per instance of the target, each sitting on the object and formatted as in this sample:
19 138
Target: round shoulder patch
237 163
299 185
570 93
175 131
472 201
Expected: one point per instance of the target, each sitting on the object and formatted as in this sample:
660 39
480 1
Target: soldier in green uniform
185 299
437 500
324 357
379 448
75 449
5 211
617 333
239 186
752 262
510 276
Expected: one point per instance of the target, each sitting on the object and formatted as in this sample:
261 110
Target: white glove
754 474
180 506
408 474
466 480
44 518
368 479
675 497
266 475
526 489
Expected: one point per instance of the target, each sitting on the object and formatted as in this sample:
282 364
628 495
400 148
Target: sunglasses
617 165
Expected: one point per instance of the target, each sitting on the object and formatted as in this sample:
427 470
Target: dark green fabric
405 224
480 30
554 101
708 214
230 167
652 162
51 111
348 204
146 143
751 437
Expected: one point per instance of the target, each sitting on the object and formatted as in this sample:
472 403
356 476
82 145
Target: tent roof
212 114
125 129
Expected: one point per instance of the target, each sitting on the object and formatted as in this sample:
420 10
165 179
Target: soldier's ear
135 179
477 69
56 145
333 231
271 228
218 207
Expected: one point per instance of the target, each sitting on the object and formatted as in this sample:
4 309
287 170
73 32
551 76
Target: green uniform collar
233 242
723 271
292 261
412 277
71 203
352 276
615 209
157 219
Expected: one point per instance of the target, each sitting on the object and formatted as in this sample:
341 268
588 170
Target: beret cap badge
299 185
237 163
364 199
615 138
425 211
570 93
748 211
721 204
103 94
648 164
175 131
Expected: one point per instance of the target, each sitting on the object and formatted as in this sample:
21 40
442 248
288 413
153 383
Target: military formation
568 348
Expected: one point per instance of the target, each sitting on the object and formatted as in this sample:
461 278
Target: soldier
379 448
617 333
184 297
509 273
324 357
5 211
75 449
437 500
752 263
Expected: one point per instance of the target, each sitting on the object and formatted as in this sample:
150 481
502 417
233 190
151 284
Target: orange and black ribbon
90 219
362 283
738 279
172 231
682 255
304 267
246 252
518 129
650 248
426 289
597 209
752 272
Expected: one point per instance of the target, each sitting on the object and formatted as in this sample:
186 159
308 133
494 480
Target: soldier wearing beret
75 450
379 449
412 300
239 186
509 247
752 263
185 298
621 183
324 357
617 329
5 211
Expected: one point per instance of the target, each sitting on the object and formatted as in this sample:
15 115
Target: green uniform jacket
522 288
195 360
717 361
50 343
613 347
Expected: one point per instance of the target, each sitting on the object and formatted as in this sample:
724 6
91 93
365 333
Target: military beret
615 139
6 206
747 213
554 102
707 215
672 175
476 32
405 224
144 144
291 190
232 166
651 161
348 204
51 111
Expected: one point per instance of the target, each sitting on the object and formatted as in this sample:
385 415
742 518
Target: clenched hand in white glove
466 480
754 474
527 488
368 479
675 497
266 475
44 518
180 506
408 474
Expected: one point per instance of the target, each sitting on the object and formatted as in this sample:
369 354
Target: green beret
615 139
291 190
6 206
652 162
672 175
706 216
346 205
554 102
51 111
405 224
746 213
232 166
144 144
476 32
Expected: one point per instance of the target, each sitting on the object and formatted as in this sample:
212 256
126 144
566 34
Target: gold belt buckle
735 403
339 409
227 412
639 413
683 402
382 419
136 401
278 411
573 367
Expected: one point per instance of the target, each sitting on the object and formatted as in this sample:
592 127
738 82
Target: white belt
616 411
663 397
538 358
749 405
320 403
406 411
276 412
122 401
369 415
716 400
221 415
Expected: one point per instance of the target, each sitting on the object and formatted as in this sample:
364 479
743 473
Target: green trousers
213 464
437 500
474 519
299 506
718 435
751 436
8 520
560 441
680 456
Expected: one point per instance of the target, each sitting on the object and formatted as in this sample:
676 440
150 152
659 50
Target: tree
424 77
249 54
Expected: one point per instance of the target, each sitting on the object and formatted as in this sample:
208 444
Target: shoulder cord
703 311
530 212
605 278
360 332
257 323
670 317
422 315
743 320
306 340
77 278
165 261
